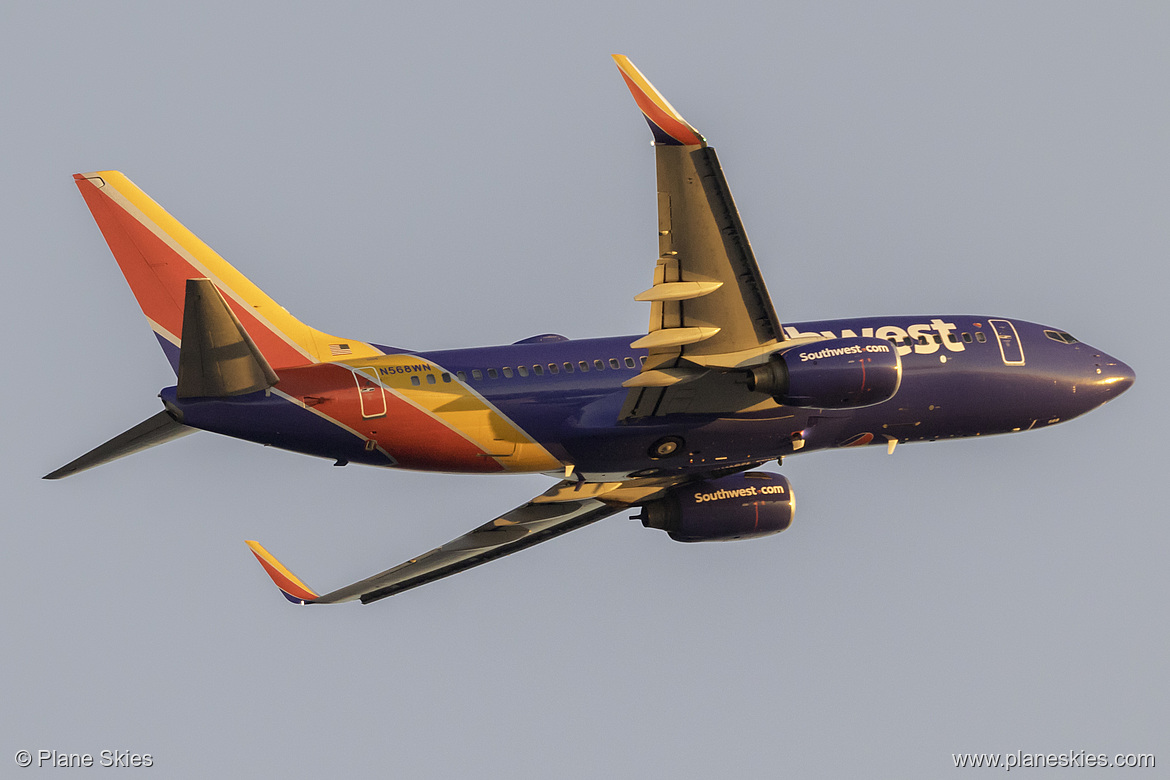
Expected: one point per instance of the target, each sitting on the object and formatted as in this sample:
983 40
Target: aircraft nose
1113 377
1120 377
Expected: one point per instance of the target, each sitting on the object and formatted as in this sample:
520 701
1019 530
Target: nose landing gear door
1010 348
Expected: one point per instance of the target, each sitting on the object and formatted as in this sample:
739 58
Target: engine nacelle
831 374
741 506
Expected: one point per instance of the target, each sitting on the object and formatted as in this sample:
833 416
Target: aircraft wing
565 507
156 430
709 307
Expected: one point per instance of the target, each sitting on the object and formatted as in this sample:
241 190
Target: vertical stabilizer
158 255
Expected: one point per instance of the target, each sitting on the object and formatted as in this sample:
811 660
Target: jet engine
831 374
741 506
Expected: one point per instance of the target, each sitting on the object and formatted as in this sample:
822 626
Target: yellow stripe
461 409
312 342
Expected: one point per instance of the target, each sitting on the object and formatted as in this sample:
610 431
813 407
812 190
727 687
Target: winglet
665 122
290 584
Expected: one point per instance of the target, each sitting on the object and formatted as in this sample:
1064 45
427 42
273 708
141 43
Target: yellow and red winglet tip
290 584
665 122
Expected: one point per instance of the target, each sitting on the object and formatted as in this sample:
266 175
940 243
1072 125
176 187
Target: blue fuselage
960 378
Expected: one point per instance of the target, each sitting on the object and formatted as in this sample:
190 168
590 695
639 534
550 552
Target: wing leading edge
565 507
709 306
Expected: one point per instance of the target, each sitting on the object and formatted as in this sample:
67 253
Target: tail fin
158 255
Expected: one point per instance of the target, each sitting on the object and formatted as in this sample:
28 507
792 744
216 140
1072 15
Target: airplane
674 423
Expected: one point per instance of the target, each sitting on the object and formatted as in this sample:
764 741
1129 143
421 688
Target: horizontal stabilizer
217 358
157 430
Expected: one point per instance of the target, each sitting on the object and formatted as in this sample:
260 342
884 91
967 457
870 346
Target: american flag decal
340 349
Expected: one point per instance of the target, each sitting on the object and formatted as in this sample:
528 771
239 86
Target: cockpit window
1061 336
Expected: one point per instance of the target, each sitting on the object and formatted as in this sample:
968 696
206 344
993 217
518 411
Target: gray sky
467 174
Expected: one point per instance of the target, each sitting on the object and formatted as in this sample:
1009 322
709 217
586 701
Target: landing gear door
371 394
1009 342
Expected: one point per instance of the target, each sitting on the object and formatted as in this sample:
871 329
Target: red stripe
411 435
153 296
158 276
284 583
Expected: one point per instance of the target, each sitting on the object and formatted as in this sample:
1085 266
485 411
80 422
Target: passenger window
981 337
538 370
430 379
493 374
642 359
599 365
584 366
967 337
462 375
568 367
951 337
553 368
908 341
613 363
937 339
476 374
629 362
446 377
922 339
414 380
522 370
892 339
507 372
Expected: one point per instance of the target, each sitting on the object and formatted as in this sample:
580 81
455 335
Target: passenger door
1009 342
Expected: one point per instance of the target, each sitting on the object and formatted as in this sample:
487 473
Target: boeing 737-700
674 423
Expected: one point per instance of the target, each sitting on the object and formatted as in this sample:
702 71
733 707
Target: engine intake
831 374
741 506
